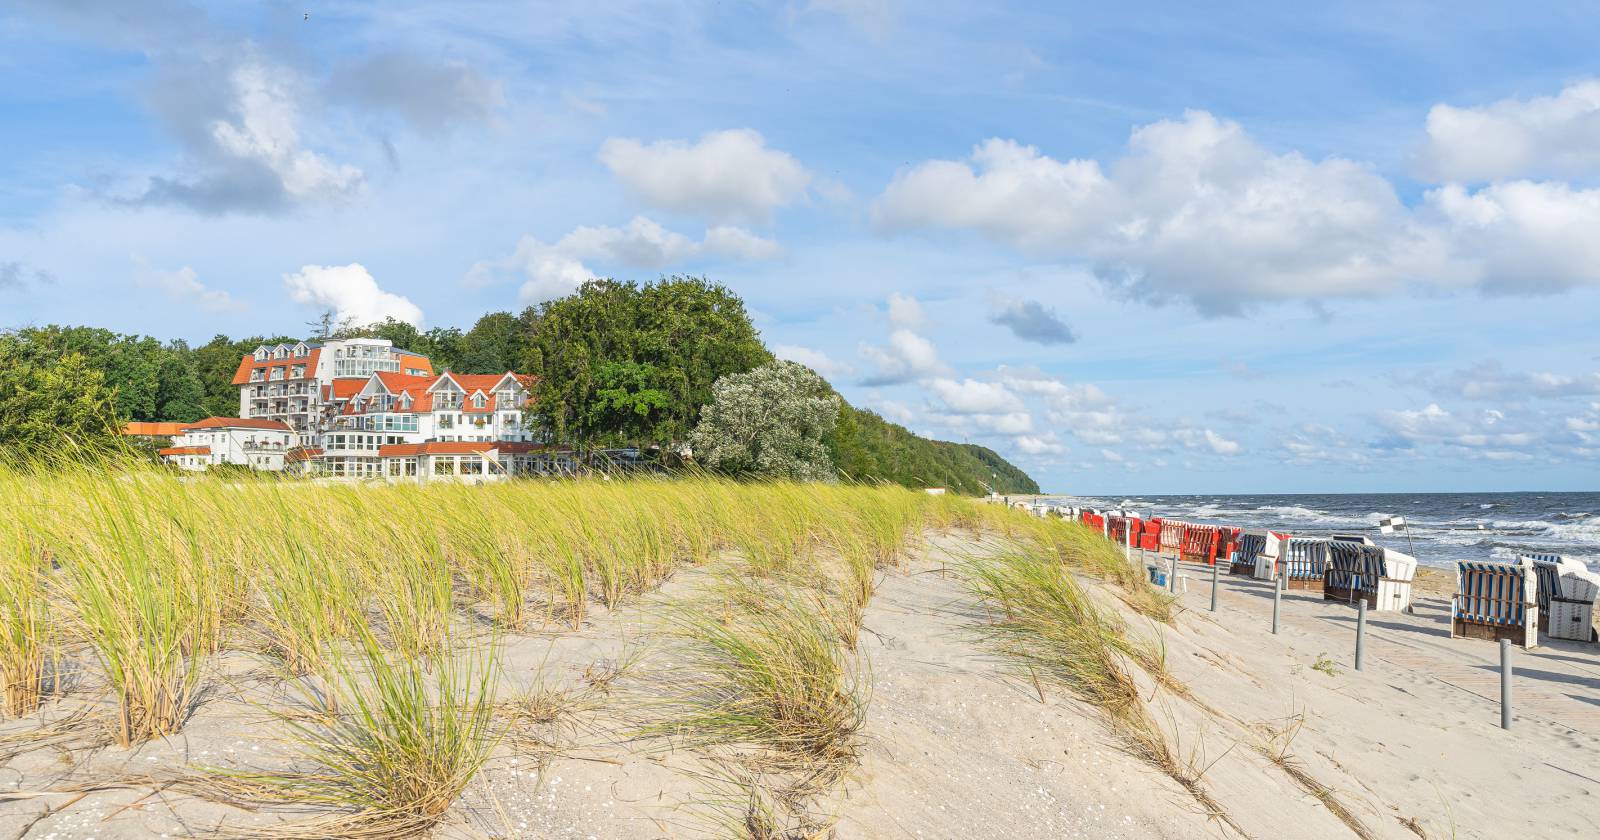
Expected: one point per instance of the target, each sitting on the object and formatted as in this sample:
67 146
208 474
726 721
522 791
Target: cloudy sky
1211 248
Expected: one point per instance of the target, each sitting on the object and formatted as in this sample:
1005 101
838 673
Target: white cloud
1490 380
1197 210
907 358
1009 192
239 116
726 175
738 243
1522 236
184 285
351 293
1543 136
553 270
906 311
1045 444
1112 456
815 359
264 130
970 396
1221 445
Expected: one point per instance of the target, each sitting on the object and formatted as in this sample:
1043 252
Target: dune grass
366 597
24 624
1047 622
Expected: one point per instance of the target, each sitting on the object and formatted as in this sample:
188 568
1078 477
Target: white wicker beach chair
1306 563
1496 601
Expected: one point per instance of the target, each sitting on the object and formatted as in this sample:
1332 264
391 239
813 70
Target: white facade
297 384
398 410
216 441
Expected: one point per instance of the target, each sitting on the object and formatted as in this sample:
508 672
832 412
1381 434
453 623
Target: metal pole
1361 631
1505 683
1172 579
1213 587
1277 600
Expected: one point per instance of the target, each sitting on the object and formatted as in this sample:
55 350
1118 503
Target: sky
1200 248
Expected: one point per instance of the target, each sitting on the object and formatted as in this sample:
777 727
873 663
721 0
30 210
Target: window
472 466
444 466
261 354
478 400
447 421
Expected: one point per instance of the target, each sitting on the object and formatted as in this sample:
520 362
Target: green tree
683 333
769 422
45 406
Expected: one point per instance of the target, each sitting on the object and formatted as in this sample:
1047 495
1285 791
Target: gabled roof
249 364
238 423
185 450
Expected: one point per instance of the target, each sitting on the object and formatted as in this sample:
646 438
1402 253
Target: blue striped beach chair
1576 613
1243 560
1306 563
1496 601
1353 572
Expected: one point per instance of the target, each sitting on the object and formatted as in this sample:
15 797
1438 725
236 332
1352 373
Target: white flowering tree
768 422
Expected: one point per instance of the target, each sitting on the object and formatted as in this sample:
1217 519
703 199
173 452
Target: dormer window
478 400
261 354
300 349
405 402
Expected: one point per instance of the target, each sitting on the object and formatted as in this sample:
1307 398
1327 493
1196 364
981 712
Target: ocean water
1444 527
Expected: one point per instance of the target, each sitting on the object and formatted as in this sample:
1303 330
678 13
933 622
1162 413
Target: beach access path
1413 741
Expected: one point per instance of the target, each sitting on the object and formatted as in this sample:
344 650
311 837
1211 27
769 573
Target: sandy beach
1291 741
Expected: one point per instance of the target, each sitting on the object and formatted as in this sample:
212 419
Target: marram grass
383 595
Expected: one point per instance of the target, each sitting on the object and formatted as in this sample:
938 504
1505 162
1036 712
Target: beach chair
1199 544
1243 560
1172 535
1352 572
1496 601
1394 587
1567 591
1306 563
1269 557
1150 538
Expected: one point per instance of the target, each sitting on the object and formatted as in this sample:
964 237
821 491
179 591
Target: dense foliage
865 447
45 400
627 364
769 422
617 364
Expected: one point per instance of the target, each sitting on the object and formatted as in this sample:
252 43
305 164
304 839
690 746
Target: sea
1441 527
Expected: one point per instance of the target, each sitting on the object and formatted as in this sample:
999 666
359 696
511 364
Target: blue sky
1227 248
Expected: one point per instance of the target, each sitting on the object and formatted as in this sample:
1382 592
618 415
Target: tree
47 406
666 343
769 422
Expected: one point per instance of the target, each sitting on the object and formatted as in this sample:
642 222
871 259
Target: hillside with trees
618 364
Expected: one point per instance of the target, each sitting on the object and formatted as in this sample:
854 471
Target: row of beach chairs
1538 593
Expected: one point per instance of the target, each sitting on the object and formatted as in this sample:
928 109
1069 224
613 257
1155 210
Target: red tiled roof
153 429
249 364
185 450
302 453
346 387
238 423
456 447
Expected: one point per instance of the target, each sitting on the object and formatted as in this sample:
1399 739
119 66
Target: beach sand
1293 742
